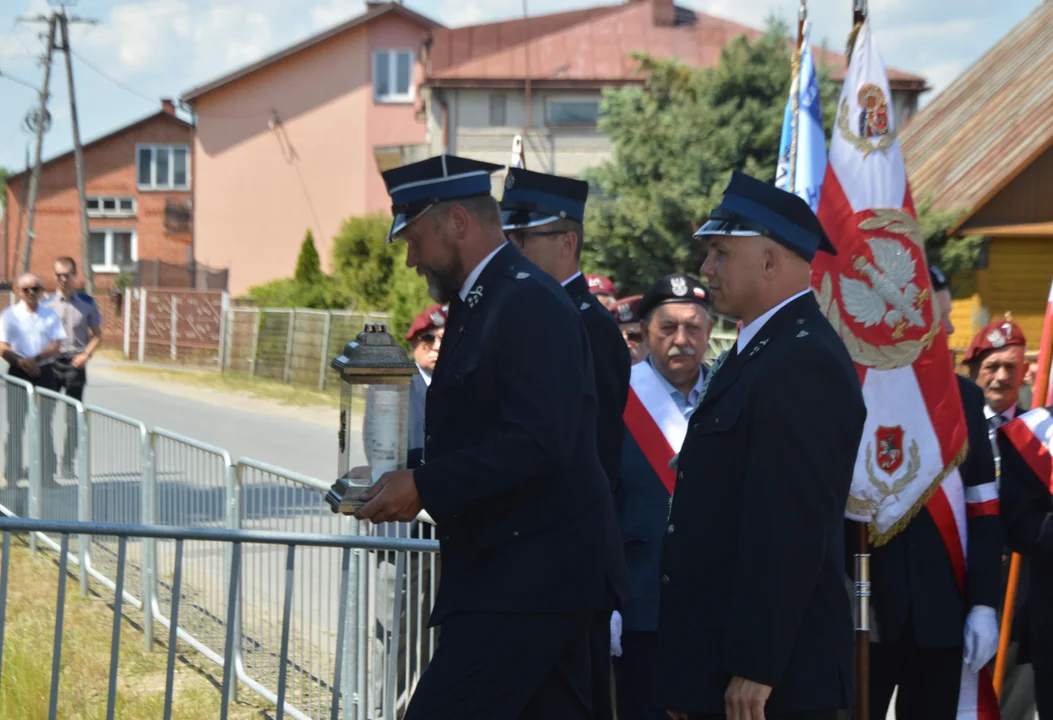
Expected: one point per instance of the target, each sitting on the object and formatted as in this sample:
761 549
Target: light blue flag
808 163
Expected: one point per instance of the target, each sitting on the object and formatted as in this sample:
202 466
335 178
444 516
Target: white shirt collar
425 374
749 332
474 274
1008 414
569 280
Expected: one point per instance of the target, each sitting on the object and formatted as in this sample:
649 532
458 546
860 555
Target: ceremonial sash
1032 436
950 507
654 421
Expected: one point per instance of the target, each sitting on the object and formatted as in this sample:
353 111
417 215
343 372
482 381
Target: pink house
293 141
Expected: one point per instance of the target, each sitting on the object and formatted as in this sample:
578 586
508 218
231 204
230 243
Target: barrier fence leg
84 501
146 497
234 635
36 480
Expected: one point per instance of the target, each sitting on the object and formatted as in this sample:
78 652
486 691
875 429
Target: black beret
675 288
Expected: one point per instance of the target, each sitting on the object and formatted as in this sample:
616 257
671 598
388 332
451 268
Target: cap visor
724 227
521 219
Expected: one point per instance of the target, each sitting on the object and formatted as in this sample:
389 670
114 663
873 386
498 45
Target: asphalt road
300 439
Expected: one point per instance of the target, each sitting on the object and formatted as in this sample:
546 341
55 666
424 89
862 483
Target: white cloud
941 74
455 13
335 12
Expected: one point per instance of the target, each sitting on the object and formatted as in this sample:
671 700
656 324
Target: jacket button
680 475
669 530
716 421
515 533
665 579
427 438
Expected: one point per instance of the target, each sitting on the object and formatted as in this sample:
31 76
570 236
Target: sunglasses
634 337
33 288
429 338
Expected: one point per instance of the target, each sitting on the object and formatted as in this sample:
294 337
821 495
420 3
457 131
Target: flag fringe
877 539
852 43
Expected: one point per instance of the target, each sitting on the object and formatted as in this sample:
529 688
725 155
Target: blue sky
161 48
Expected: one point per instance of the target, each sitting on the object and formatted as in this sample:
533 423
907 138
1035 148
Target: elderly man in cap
754 617
996 363
510 471
663 394
603 288
543 217
626 311
924 629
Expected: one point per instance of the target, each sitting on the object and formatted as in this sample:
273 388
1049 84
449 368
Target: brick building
138 182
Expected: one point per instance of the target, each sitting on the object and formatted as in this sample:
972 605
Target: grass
28 641
242 383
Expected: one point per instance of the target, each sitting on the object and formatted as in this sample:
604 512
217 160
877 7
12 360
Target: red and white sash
655 422
1032 436
951 506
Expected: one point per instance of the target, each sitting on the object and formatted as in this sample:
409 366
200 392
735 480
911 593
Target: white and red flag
877 295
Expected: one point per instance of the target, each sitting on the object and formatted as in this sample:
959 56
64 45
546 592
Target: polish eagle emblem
891 295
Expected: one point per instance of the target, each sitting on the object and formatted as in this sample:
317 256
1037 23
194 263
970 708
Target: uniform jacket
417 395
611 364
1027 520
753 580
642 502
912 575
510 471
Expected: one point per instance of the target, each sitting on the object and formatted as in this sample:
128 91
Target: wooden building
984 146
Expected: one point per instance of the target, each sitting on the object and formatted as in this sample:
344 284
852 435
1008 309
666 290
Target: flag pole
1038 399
859 16
795 90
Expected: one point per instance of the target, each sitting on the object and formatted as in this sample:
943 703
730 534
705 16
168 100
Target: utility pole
78 161
58 22
41 120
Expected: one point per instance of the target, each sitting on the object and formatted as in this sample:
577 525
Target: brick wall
110 170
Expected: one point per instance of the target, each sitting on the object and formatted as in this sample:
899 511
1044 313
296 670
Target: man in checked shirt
82 322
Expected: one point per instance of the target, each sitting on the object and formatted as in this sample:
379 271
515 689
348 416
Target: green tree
4 172
951 254
676 140
364 261
308 265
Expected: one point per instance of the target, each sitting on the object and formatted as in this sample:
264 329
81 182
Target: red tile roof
593 47
990 123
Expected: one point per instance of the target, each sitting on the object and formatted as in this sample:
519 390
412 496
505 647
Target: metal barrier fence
88 464
235 544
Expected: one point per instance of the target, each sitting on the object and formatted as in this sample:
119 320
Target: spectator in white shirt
30 339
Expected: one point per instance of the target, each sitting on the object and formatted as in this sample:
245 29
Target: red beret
996 335
599 285
626 310
430 319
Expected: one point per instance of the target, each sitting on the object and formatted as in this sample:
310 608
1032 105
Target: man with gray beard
663 391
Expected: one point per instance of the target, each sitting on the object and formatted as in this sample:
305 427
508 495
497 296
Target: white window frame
117 212
571 99
393 97
110 266
154 185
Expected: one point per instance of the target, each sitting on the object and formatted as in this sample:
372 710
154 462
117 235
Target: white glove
981 637
616 634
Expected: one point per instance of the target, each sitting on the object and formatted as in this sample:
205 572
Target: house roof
988 125
374 10
160 114
593 47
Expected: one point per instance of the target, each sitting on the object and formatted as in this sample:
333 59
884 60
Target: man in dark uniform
425 338
664 391
543 217
754 617
510 473
1026 446
924 628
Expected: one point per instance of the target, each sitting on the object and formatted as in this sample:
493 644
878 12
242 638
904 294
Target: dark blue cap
532 199
416 188
752 207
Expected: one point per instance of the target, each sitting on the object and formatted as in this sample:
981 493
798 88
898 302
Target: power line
116 82
15 80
